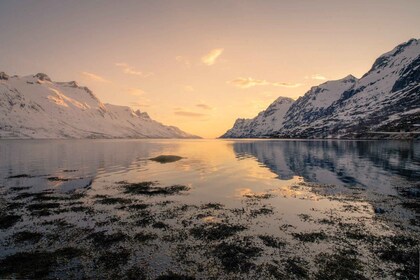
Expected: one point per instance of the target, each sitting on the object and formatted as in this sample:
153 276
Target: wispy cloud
211 57
250 82
316 77
204 106
183 60
186 113
134 91
139 104
130 70
95 77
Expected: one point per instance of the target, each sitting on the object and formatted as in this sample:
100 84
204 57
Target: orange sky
195 64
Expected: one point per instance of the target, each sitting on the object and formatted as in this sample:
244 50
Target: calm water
220 166
286 190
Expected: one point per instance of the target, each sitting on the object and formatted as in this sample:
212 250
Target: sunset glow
199 65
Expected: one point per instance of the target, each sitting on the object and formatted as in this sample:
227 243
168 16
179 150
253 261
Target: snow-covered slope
266 123
36 107
381 104
316 103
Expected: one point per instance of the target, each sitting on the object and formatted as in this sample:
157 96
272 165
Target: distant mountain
37 107
267 122
384 103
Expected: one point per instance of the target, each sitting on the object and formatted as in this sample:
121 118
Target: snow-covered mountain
37 107
381 104
266 123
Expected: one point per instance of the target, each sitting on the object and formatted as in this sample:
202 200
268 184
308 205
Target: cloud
127 69
184 113
204 106
139 104
134 91
95 77
250 82
316 77
210 58
183 60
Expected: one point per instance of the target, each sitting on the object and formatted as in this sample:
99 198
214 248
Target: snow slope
37 107
384 103
265 124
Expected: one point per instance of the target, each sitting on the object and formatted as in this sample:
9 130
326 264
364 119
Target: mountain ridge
383 103
35 107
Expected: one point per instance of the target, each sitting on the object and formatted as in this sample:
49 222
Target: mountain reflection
370 164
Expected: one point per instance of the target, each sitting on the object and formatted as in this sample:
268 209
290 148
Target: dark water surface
267 209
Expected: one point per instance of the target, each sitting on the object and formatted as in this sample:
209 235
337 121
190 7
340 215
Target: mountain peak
4 76
410 42
73 84
349 78
240 121
389 57
43 77
346 79
283 99
144 115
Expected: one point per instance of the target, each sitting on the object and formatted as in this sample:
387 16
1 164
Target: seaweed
258 196
113 200
58 179
7 221
140 206
14 206
174 276
27 236
42 209
271 241
19 176
143 237
149 188
406 258
236 256
215 231
340 265
160 225
111 260
262 211
18 189
105 240
297 266
36 264
310 236
166 158
144 218
215 206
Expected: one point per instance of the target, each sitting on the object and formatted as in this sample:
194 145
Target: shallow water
290 200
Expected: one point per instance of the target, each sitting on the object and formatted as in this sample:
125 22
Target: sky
199 64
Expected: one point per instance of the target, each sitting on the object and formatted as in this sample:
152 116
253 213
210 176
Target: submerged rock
166 158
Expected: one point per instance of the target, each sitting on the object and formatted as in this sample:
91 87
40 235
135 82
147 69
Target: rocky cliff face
36 107
384 103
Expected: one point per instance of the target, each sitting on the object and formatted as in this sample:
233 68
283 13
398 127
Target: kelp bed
142 230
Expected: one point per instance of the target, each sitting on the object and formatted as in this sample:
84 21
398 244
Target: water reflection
219 163
370 164
107 209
